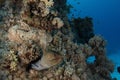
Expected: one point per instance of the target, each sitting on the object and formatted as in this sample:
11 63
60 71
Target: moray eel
48 60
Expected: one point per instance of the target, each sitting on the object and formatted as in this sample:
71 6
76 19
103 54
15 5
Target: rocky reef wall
38 42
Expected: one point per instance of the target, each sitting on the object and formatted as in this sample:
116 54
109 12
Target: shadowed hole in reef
29 66
90 60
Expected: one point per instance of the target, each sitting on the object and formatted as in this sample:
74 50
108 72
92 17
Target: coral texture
38 42
22 32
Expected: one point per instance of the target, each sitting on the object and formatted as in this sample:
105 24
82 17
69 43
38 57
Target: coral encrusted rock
39 42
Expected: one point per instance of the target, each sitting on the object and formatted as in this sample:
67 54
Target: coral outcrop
38 42
83 29
22 32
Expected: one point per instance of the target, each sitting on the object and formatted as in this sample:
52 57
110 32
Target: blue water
106 19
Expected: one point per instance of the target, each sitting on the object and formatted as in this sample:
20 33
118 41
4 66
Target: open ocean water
106 20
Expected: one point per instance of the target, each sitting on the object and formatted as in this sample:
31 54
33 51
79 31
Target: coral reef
38 42
22 32
83 29
9 61
41 14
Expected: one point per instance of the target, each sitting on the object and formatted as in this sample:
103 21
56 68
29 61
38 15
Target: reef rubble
39 42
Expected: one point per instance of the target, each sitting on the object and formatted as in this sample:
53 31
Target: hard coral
57 21
10 61
19 34
102 65
40 34
41 12
48 5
